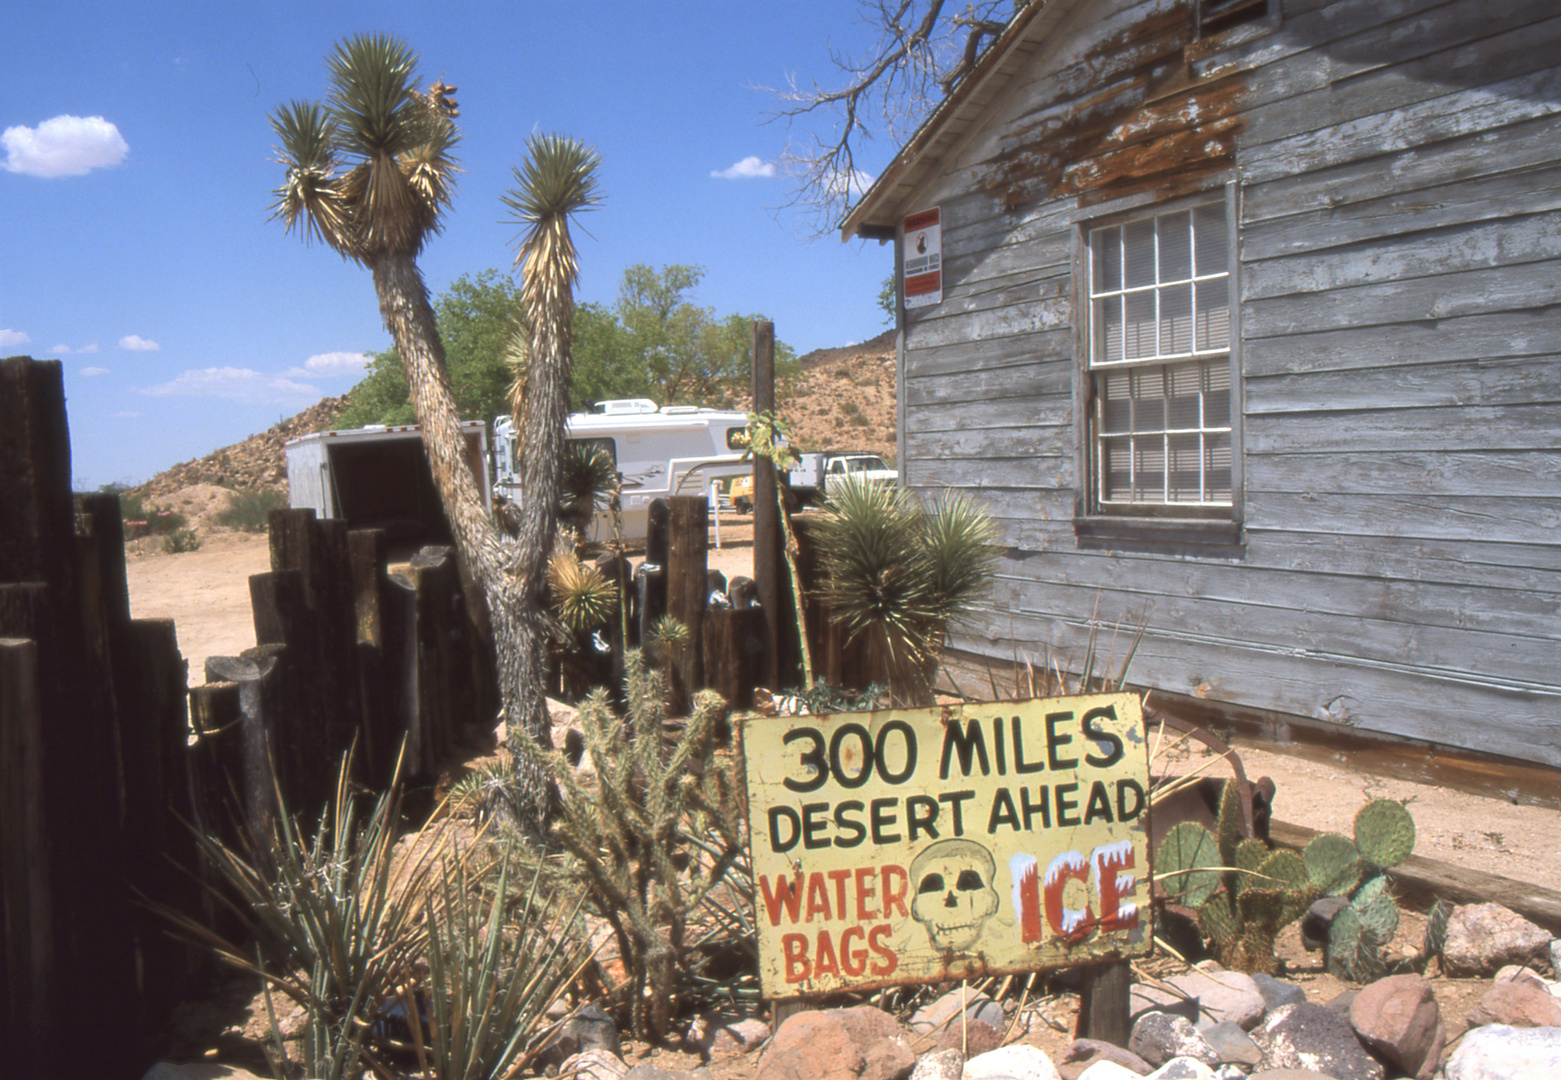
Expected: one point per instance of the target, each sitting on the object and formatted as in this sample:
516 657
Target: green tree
475 317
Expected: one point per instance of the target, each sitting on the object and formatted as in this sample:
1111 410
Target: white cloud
235 384
91 372
63 146
328 364
852 185
88 348
137 343
11 338
749 168
60 350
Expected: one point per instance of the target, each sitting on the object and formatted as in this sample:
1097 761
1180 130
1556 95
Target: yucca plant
339 928
588 482
899 572
578 595
492 973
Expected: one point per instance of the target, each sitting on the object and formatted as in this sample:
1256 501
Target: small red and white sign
922 277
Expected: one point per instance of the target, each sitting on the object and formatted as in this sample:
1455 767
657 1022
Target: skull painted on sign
954 894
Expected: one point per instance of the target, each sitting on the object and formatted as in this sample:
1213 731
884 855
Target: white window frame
1196 523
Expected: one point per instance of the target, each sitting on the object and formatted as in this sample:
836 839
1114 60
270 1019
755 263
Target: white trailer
378 477
672 450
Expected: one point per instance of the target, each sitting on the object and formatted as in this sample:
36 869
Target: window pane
1186 393
1116 405
1106 249
1210 239
1176 320
1149 469
1138 334
1108 328
1184 483
1116 477
1213 314
1216 469
1138 240
1175 247
1149 399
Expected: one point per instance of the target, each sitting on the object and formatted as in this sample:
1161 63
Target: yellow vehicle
740 493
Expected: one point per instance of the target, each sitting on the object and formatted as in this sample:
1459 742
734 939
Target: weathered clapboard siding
1510 333
1502 381
1399 284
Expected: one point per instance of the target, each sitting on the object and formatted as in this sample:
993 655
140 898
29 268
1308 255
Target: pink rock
861 1043
1517 1004
1481 938
1398 1018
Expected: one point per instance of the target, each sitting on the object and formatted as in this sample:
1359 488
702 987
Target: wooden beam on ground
1420 882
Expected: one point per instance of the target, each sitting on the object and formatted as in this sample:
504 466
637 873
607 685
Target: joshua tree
370 172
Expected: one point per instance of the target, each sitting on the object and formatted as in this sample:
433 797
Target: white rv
378 478
672 450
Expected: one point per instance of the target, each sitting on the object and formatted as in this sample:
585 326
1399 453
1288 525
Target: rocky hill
843 398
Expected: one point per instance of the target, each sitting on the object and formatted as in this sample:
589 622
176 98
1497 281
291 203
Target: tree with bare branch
921 53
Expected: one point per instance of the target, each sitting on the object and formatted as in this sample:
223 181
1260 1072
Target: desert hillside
843 398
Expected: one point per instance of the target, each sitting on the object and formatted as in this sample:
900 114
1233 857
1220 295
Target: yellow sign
920 845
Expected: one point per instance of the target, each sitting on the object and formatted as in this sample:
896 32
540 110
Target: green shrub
180 541
248 511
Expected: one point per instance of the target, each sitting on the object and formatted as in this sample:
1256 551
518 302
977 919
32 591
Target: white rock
594 1065
941 1065
1108 1070
1017 1062
1498 1052
1182 1068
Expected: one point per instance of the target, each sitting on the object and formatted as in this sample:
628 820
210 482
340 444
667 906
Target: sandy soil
207 593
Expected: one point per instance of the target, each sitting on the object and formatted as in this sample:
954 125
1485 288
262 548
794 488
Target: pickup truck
818 475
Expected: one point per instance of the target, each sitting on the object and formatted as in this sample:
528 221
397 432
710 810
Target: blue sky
135 177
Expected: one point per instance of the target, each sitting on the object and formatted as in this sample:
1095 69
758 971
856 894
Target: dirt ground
206 592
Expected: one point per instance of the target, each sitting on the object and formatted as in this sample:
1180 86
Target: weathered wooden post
687 572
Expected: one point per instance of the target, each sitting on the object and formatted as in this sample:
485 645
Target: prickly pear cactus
1187 864
1354 950
1384 833
1332 864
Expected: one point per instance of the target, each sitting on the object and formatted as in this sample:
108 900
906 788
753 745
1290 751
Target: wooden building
1243 317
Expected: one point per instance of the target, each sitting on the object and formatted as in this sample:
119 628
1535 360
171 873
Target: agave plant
899 572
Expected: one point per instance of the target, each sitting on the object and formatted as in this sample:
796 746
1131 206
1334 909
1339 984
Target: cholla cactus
652 836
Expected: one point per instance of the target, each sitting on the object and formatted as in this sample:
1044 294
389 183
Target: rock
1555 959
1318 920
971 1039
1082 1054
594 1065
1143 998
1277 992
1108 1070
725 1034
199 1070
656 1072
1222 996
1230 1072
1399 1019
1182 1068
940 1065
1011 1063
1516 1004
1483 937
1499 1052
587 1028
1342 1002
946 1010
1234 1046
1158 1037
1517 973
860 1043
1310 1036
1289 1074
